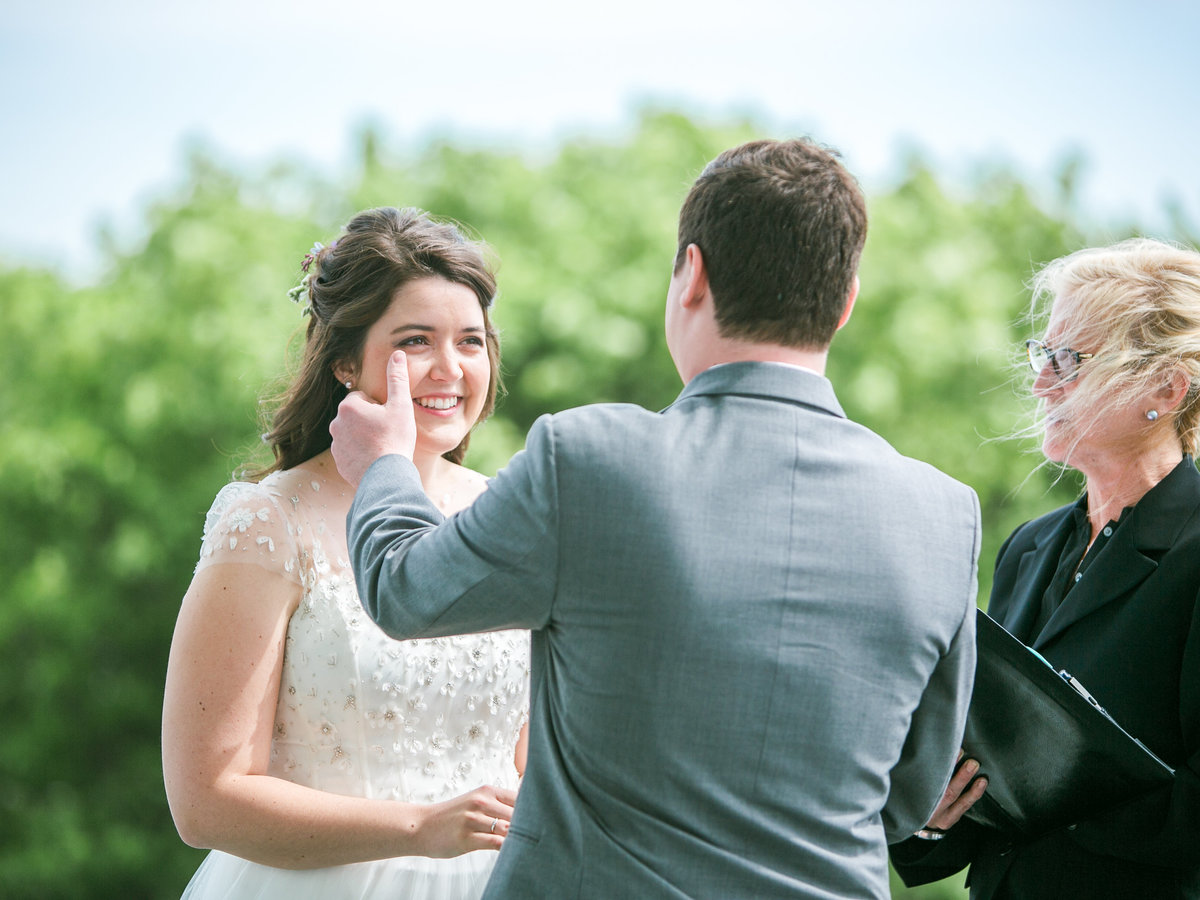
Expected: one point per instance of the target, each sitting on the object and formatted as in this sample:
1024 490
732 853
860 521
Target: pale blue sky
100 97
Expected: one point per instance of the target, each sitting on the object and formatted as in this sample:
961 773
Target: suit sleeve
935 734
919 861
491 566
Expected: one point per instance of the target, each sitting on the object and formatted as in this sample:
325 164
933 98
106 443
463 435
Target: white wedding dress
359 713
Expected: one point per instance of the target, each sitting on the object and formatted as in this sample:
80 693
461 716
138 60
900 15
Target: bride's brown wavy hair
353 283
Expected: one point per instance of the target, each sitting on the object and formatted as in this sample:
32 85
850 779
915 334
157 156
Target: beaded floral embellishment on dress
419 720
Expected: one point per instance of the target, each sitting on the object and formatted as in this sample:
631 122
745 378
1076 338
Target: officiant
1107 587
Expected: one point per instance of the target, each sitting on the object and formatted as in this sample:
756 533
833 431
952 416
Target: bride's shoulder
456 487
236 494
472 480
248 514
464 486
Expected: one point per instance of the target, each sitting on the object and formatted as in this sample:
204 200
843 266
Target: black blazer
1129 630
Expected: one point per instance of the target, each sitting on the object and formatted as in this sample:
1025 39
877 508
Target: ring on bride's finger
495 822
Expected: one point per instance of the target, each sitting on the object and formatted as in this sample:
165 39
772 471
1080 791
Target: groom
753 620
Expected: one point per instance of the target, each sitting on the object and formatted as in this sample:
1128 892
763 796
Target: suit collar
1130 556
1167 507
773 381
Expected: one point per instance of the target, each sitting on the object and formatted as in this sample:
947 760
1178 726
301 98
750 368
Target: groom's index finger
397 379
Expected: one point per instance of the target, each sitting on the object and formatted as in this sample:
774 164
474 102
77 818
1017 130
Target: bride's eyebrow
471 329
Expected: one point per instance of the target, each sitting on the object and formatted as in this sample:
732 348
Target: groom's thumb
397 380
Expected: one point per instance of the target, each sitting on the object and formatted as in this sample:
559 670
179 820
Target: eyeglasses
1064 361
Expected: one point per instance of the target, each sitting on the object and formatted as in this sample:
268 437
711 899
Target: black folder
1051 754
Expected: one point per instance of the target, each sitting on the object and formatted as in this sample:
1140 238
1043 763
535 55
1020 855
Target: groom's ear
695 277
850 298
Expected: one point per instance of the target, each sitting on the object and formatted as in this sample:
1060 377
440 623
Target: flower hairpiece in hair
302 289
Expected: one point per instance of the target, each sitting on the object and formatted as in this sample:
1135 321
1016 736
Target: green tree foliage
128 403
933 357
131 395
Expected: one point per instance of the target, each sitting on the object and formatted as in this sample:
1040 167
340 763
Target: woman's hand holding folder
961 793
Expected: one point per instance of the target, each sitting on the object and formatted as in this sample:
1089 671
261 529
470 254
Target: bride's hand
474 821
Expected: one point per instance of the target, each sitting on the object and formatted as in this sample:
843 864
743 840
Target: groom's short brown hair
781 226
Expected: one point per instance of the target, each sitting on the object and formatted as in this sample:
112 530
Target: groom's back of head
781 226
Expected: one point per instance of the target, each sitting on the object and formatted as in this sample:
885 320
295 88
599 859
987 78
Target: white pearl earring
1152 414
350 387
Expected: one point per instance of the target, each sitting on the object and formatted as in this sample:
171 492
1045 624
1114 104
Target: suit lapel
1131 555
1119 568
1034 572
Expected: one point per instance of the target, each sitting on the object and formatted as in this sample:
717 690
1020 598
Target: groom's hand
364 430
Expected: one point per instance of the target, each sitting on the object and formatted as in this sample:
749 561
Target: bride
316 756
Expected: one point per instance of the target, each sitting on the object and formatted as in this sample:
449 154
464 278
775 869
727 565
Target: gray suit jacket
753 636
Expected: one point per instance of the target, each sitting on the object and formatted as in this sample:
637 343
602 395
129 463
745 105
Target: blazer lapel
1131 555
1034 572
1119 568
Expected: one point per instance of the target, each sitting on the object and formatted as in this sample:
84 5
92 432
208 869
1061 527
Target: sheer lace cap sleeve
247 524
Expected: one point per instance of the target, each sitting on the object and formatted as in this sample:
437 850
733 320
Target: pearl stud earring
1152 414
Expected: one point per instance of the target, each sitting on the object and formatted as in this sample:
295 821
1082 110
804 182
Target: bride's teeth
438 402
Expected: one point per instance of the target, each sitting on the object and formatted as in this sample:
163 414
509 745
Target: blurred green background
129 400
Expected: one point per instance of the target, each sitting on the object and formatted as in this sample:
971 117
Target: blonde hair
1135 306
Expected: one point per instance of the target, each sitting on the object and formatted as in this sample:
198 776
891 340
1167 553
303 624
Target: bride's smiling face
440 327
